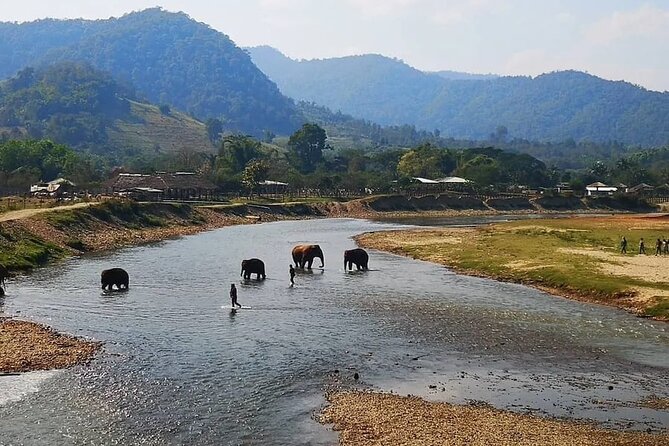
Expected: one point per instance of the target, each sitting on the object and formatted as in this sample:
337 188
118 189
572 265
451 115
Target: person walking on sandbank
623 245
658 247
642 246
233 296
292 275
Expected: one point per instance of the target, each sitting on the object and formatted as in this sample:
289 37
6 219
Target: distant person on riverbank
665 246
658 247
623 245
292 275
233 296
642 246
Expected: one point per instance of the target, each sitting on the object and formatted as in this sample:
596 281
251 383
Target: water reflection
180 367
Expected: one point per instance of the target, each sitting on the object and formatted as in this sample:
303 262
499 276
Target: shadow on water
179 366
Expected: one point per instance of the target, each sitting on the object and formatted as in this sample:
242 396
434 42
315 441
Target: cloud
648 21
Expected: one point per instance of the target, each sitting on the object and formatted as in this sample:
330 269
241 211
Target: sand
27 346
366 419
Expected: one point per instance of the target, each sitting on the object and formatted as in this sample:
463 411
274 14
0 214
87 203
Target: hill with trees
552 107
168 57
75 104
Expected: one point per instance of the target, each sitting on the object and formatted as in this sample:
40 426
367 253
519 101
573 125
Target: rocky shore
375 419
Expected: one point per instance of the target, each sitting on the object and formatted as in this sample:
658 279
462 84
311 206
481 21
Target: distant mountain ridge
551 107
168 57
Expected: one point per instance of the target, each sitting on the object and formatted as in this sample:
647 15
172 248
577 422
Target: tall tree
254 172
307 145
237 150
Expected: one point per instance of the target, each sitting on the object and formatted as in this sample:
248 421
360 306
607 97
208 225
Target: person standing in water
233 295
292 275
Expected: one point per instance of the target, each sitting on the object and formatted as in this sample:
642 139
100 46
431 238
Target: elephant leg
309 264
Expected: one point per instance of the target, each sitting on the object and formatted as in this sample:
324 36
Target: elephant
305 255
358 256
253 266
4 273
114 276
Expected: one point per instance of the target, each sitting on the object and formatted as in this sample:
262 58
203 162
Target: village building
599 189
641 189
162 186
56 188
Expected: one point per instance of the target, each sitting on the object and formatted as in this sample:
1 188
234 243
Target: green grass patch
28 252
660 309
565 254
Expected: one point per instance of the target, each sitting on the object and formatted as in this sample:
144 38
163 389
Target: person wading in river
233 296
292 275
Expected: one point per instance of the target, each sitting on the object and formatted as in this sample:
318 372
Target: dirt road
24 213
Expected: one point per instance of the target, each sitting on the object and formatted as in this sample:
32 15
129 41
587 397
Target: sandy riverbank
366 419
27 346
576 257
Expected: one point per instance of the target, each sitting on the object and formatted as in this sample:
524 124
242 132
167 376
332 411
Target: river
179 367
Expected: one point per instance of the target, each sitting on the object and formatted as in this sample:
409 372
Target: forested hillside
552 107
168 57
77 105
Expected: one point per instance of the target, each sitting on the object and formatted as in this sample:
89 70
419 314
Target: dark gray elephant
357 256
4 273
253 266
114 276
304 255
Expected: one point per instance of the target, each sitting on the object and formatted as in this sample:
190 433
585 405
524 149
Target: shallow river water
179 367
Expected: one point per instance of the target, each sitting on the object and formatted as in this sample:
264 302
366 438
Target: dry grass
26 346
366 419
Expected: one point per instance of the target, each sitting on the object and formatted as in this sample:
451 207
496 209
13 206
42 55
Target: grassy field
153 130
575 257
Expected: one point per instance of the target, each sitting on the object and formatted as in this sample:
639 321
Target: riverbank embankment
575 257
366 419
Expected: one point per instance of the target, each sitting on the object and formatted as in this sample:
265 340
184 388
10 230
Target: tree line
308 161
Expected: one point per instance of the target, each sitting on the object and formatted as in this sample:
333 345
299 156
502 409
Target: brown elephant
357 256
114 276
305 255
253 266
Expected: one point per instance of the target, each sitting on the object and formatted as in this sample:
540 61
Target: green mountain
169 58
77 105
551 107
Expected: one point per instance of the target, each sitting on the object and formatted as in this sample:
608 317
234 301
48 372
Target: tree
237 150
307 145
481 169
426 161
254 172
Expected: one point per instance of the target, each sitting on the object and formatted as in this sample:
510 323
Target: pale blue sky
614 39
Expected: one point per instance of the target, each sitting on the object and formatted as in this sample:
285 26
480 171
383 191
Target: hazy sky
614 39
